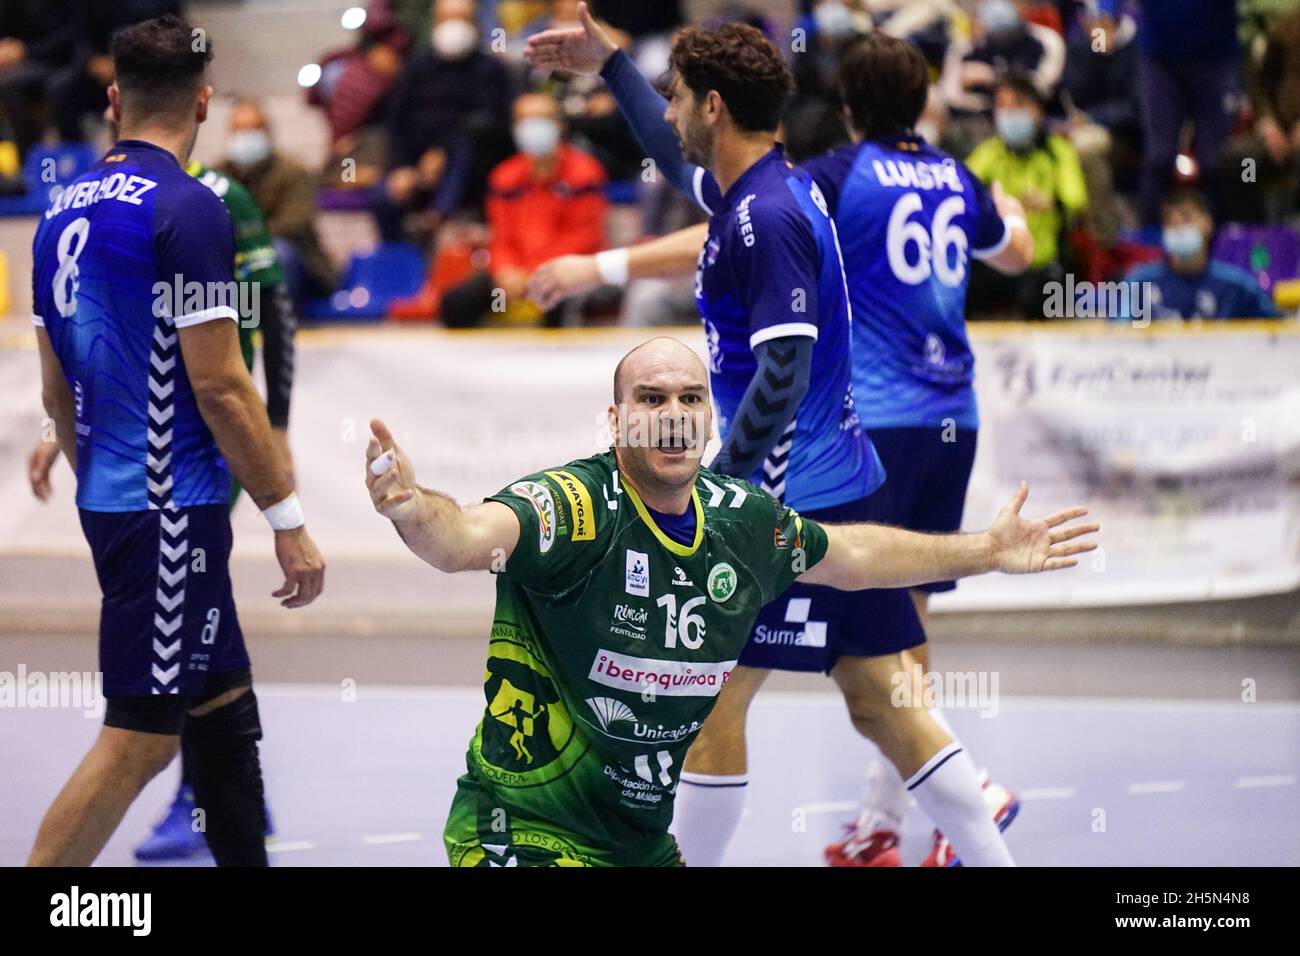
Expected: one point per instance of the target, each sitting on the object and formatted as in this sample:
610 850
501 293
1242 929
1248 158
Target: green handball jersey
609 645
255 258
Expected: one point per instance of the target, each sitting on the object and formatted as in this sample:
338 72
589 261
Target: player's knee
142 756
225 738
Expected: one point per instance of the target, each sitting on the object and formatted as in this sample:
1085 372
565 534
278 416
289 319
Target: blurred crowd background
1145 138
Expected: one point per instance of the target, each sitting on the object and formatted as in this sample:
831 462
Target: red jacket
534 220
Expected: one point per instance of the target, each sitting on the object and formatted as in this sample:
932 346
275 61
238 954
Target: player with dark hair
857 639
134 292
628 584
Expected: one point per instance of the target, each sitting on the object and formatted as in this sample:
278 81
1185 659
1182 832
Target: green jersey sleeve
797 544
559 527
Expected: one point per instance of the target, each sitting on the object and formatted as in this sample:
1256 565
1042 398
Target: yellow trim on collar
667 542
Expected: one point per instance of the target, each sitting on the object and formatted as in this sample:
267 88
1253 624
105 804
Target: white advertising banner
1185 445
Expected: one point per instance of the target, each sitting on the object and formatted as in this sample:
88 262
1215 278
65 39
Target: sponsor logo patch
544 504
665 678
575 492
637 576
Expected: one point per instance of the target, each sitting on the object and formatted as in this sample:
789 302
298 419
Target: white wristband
1012 221
285 515
611 265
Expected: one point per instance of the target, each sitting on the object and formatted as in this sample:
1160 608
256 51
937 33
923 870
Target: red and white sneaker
880 848
1003 806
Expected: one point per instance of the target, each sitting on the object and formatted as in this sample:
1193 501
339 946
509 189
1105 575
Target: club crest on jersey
722 582
637 575
544 504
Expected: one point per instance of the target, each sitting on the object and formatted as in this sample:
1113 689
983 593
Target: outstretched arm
862 556
435 528
672 255
587 48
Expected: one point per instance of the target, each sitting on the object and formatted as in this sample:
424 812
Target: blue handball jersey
129 253
771 268
910 217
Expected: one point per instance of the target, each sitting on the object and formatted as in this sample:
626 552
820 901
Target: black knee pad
223 767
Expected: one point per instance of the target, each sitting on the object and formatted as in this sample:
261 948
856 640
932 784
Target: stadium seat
1270 253
66 162
393 270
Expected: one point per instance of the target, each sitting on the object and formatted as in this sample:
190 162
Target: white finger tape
382 463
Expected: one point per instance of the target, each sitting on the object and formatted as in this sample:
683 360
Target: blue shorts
810 627
167 622
927 478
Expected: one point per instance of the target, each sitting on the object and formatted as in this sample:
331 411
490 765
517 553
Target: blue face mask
1016 127
1182 242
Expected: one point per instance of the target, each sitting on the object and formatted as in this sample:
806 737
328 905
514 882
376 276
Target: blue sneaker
174 837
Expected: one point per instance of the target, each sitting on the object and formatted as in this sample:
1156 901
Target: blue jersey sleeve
195 243
777 273
989 234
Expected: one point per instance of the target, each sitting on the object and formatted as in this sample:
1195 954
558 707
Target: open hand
1023 546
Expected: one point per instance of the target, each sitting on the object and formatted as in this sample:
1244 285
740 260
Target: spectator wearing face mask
286 192
1187 283
1040 169
1003 42
446 127
547 200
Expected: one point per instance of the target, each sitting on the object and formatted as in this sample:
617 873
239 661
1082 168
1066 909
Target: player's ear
612 416
115 102
201 108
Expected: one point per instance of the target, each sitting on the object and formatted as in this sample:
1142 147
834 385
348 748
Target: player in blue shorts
137 328
771 289
911 217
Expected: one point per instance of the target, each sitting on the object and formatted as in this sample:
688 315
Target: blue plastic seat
393 270
45 169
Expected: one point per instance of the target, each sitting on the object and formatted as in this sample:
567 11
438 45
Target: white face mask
248 147
834 19
454 39
537 135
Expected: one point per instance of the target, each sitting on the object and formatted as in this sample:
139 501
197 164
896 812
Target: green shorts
482 832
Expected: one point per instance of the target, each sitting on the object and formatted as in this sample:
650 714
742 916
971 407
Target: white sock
948 790
706 814
885 801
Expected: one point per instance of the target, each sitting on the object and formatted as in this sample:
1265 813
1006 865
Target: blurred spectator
812 123
78 91
446 126
1041 170
545 201
1189 67
594 121
353 86
1275 142
286 192
37 37
1187 283
1003 42
1101 89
